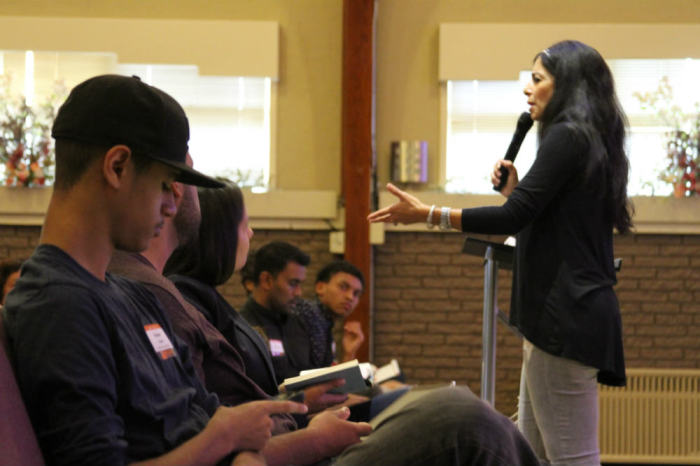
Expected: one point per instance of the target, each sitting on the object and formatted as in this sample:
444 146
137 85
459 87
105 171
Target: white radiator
654 419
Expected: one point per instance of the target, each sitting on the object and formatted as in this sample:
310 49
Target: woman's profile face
245 233
539 90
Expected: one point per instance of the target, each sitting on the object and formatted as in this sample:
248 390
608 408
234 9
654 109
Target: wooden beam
357 110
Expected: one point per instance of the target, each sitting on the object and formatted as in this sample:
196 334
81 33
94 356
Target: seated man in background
247 281
339 286
279 269
104 379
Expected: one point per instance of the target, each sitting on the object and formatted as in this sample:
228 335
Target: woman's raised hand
408 209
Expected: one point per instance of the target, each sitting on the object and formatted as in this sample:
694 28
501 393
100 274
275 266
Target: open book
358 376
350 371
386 372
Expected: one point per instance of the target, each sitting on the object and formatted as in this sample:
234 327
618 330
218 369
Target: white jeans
558 408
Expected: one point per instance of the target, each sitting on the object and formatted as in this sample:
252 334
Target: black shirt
563 274
286 338
237 331
98 389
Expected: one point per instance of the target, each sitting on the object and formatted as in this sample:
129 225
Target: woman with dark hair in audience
220 249
564 211
9 273
209 260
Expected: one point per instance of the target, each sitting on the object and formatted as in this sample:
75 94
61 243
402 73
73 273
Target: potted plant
682 169
26 146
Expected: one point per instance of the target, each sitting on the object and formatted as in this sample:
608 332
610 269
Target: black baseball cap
112 109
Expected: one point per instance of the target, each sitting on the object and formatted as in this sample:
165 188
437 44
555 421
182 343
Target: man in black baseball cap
110 109
103 377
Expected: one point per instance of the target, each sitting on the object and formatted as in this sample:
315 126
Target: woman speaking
563 212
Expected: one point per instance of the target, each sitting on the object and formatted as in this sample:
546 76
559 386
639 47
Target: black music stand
495 255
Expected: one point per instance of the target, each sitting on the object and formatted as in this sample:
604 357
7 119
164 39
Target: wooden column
357 130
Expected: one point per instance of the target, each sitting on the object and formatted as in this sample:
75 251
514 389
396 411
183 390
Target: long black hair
584 98
210 257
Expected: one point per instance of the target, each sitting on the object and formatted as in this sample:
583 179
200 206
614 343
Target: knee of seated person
460 406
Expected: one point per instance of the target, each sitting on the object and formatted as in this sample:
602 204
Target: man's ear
115 164
320 288
265 280
178 192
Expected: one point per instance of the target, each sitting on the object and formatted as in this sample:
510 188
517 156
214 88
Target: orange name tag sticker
160 341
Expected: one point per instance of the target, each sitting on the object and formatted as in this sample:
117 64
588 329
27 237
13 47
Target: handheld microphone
524 125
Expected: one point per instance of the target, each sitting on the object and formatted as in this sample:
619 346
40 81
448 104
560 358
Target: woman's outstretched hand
408 209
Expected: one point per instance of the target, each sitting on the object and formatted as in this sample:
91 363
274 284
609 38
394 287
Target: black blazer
250 345
562 298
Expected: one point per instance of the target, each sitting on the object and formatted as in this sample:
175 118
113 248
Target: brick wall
429 304
17 242
429 300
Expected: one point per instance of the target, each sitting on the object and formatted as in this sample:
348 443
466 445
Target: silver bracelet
445 221
429 220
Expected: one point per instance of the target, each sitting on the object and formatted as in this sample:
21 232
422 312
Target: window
229 116
481 118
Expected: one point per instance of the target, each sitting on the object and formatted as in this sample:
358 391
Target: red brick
662 261
433 259
417 270
386 306
424 374
387 294
409 327
441 351
662 353
641 272
642 295
660 307
691 307
14 241
426 361
432 246
424 339
430 282
661 285
464 259
639 342
396 260
627 285
398 350
467 294
399 282
655 330
449 270
446 305
385 316
425 316
446 329
386 338
674 319
680 250
382 272
656 239
627 251
676 342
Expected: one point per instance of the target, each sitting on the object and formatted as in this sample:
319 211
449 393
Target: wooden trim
357 109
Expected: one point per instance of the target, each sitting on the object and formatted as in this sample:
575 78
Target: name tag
276 348
160 341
